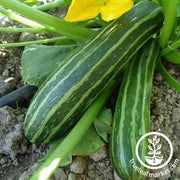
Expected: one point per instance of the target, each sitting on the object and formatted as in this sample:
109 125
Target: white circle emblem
157 134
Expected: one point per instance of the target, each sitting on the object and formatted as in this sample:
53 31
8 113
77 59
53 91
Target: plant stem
168 78
169 8
48 21
20 19
50 5
171 48
20 30
173 57
71 140
43 41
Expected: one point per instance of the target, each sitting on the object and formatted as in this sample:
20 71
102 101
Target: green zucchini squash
87 70
132 113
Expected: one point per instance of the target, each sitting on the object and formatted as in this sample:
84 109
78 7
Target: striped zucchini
132 114
87 70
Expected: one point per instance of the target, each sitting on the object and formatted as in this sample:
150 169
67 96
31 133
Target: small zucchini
132 113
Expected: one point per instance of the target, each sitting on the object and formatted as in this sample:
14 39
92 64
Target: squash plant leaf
38 61
89 144
103 123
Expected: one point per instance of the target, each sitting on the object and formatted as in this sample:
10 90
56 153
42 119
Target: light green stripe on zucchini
132 114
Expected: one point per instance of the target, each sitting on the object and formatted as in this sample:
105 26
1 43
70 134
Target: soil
19 158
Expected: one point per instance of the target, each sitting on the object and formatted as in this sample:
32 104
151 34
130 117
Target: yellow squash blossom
81 10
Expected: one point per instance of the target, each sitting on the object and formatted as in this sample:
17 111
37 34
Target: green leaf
39 61
89 144
103 123
53 146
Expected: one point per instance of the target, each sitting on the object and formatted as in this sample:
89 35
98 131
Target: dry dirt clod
11 134
27 174
100 154
78 165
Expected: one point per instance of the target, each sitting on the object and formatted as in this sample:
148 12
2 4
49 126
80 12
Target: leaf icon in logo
157 141
150 152
150 147
150 141
154 148
153 157
158 152
158 147
154 137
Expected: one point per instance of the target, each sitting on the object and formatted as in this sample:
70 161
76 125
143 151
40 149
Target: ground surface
19 158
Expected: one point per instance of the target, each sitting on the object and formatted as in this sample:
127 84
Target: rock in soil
27 174
100 154
11 133
78 165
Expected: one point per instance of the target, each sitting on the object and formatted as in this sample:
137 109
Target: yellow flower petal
115 8
81 10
